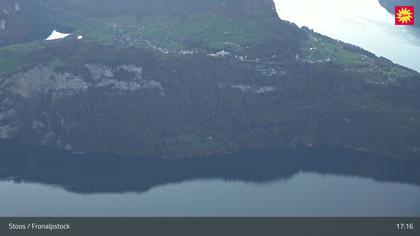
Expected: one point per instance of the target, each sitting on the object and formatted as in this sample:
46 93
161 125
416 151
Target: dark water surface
308 182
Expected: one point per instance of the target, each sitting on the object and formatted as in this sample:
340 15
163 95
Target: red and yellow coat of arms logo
404 15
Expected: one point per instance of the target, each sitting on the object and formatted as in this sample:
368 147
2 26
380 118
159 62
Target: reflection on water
305 194
309 182
364 23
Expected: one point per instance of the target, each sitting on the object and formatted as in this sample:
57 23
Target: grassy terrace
358 62
12 57
92 29
319 49
206 31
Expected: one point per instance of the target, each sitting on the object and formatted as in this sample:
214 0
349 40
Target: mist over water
364 23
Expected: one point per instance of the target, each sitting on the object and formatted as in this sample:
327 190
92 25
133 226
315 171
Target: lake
364 23
37 181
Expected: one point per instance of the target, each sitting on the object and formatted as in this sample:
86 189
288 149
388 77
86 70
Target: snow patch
250 89
57 35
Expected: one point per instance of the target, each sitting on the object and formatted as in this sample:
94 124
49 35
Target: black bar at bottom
210 226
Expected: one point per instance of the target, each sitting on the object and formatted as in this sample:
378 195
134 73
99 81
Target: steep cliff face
22 21
190 78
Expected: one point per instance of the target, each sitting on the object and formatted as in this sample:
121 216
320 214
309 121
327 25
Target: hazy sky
361 22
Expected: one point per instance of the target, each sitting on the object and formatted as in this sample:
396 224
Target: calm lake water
364 23
308 182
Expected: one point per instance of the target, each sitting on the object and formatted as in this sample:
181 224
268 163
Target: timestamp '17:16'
405 226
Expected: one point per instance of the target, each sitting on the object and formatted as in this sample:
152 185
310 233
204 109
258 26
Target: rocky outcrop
22 93
245 88
42 80
104 76
2 24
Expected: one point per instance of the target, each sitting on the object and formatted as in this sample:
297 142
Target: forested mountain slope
184 78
